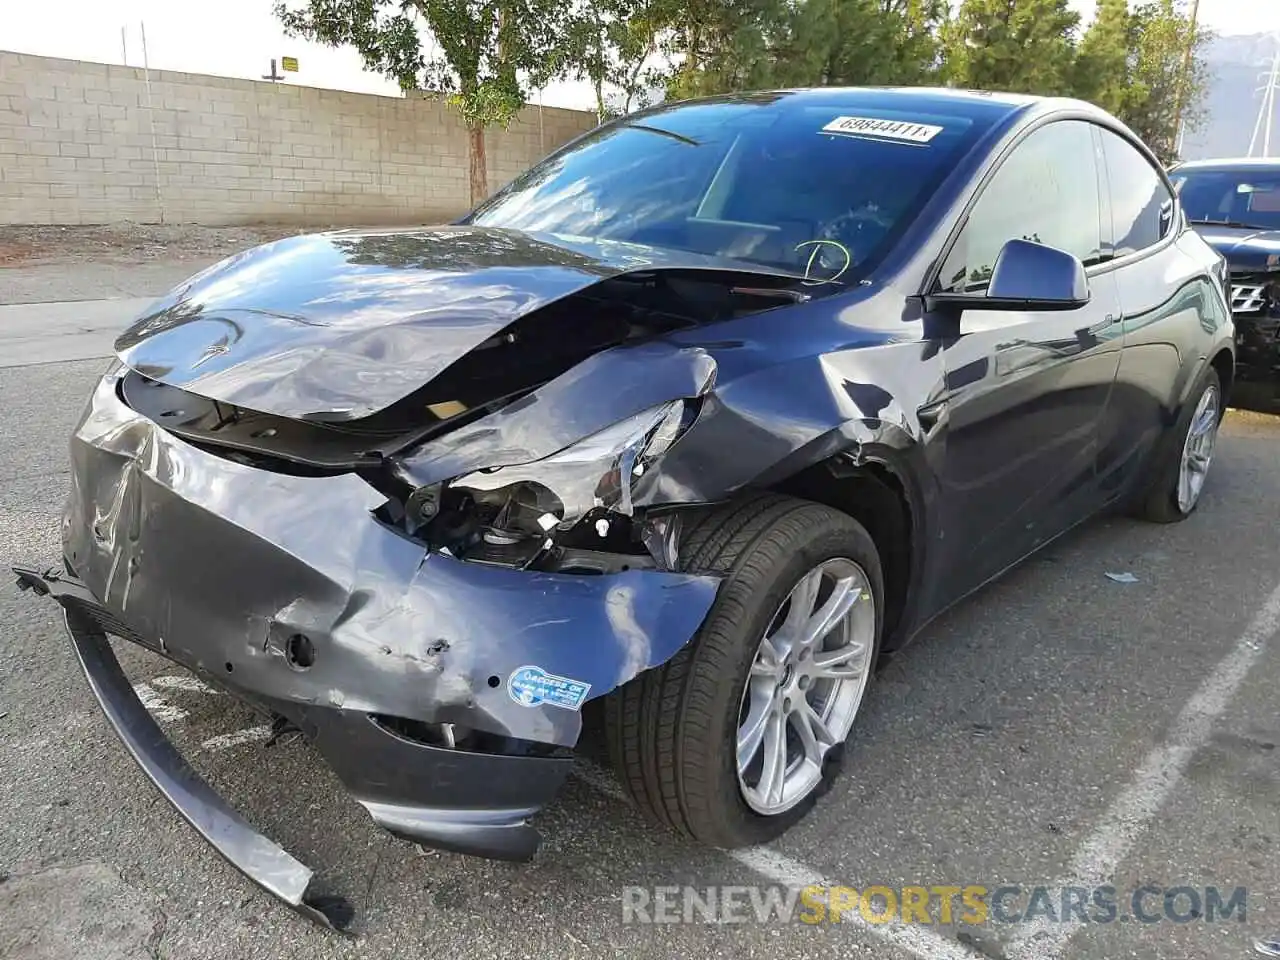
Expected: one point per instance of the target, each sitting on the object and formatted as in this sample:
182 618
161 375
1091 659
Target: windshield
1244 198
815 188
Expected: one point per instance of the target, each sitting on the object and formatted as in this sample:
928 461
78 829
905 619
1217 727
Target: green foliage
1158 87
1102 66
887 42
754 44
609 43
484 51
1131 62
1134 64
720 45
486 54
1022 45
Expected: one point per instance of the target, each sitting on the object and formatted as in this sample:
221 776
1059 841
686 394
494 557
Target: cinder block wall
84 143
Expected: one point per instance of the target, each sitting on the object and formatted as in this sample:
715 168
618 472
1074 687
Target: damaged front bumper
258 858
445 695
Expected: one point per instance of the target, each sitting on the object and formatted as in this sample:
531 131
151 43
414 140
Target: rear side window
1141 205
1046 191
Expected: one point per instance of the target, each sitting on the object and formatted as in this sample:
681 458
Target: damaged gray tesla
678 432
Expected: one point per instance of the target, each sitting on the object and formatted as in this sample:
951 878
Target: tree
608 43
1160 33
1102 64
721 45
751 44
802 51
487 51
886 42
1025 46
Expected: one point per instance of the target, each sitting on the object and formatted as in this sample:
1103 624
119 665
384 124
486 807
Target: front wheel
1179 480
734 739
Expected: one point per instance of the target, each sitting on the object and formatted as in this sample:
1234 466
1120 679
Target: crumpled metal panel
222 563
339 326
598 392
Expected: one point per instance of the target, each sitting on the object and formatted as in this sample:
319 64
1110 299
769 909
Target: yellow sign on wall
289 64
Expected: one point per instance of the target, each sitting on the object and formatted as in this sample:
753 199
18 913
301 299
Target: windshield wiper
666 133
1226 223
774 293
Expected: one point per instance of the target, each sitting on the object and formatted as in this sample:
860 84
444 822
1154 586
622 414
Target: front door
1025 391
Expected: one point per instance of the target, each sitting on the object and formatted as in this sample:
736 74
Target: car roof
985 106
950 95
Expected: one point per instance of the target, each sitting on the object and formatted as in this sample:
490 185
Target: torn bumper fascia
257 857
217 565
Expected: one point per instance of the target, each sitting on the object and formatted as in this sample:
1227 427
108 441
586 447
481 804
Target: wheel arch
1224 362
879 489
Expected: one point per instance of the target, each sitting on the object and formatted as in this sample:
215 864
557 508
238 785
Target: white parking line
919 941
165 712
225 741
1132 812
190 684
158 706
780 869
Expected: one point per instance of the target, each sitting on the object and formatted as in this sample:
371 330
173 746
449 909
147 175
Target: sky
238 38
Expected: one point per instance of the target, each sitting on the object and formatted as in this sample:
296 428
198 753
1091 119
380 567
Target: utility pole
273 76
151 121
1184 82
1267 109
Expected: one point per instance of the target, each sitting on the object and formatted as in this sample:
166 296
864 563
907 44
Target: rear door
1169 299
1025 391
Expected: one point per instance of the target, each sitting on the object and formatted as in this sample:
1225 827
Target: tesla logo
219 349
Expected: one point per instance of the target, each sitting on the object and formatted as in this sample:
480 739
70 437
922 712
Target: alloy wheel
1197 450
806 684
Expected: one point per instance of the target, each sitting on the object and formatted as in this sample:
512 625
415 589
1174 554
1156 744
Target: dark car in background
685 427
1235 205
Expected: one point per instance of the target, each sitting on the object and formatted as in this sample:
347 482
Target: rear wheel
1179 479
734 739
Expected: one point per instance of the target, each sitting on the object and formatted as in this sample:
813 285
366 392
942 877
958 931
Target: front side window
1141 204
1046 191
1248 198
776 180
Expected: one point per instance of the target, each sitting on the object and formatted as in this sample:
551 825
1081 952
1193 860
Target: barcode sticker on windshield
900 130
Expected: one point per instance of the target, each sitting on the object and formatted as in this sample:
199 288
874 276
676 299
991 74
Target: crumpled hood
338 326
1247 250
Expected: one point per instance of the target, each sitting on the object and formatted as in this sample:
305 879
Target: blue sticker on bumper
533 686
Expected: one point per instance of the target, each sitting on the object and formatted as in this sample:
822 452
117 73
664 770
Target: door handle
1102 324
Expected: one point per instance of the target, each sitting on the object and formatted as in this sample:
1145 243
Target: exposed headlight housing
596 472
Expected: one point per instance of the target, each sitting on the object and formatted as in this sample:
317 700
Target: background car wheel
733 739
1180 476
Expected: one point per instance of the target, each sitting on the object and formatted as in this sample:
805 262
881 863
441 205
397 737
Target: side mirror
1026 276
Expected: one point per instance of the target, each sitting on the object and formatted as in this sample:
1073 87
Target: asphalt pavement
1058 729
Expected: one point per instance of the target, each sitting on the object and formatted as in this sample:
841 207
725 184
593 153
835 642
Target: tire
1161 502
672 732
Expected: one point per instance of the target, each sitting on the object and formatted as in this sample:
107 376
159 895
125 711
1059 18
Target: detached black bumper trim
254 855
472 803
